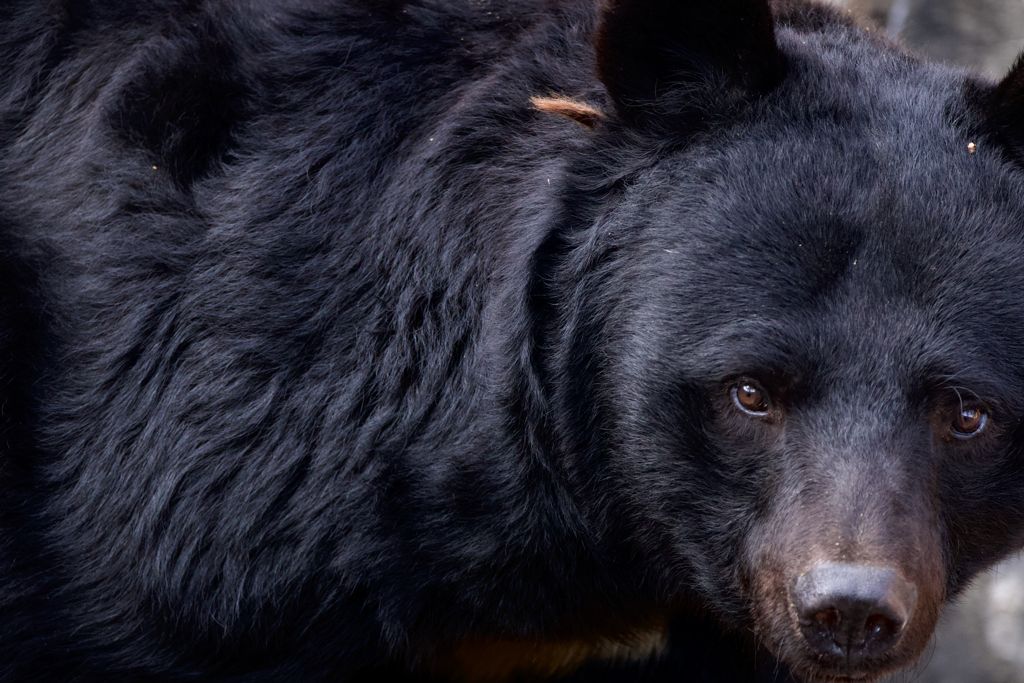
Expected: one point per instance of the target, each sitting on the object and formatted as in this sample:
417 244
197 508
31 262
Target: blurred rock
986 35
877 10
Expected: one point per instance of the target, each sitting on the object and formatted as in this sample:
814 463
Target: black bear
474 340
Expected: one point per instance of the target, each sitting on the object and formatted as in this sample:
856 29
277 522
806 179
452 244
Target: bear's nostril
879 625
826 622
881 632
828 618
856 612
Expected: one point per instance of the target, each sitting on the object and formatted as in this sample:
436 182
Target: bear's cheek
844 576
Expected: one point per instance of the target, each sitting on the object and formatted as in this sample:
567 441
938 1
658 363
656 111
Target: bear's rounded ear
1007 106
648 48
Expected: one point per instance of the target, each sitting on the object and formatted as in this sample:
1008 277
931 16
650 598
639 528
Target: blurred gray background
982 34
981 638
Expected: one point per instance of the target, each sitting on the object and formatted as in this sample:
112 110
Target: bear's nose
854 612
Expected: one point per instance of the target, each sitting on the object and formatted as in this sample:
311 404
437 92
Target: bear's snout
854 613
846 577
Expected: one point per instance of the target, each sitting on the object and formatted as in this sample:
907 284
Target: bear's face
816 366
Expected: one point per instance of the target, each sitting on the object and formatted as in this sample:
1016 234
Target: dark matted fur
323 352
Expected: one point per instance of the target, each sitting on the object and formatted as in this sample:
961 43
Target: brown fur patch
494 661
569 108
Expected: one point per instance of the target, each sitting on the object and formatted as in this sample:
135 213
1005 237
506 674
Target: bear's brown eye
750 398
970 422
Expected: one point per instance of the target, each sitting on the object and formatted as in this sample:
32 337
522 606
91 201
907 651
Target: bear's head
799 323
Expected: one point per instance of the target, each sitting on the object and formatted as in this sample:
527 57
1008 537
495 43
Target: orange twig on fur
569 108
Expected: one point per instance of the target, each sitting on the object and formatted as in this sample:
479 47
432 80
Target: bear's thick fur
478 340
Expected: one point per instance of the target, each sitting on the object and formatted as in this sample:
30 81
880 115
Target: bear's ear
646 48
1007 106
